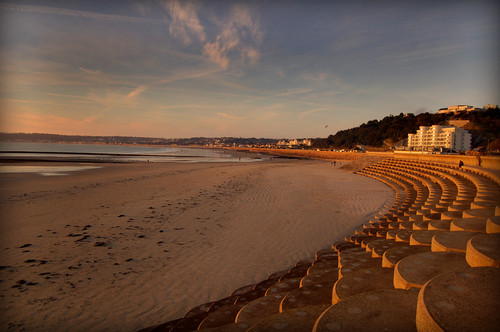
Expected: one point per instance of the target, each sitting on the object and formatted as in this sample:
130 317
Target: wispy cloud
295 91
217 53
78 13
313 111
424 53
29 116
89 71
137 91
240 33
185 22
229 116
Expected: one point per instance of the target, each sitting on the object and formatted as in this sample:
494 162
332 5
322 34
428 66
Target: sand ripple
129 246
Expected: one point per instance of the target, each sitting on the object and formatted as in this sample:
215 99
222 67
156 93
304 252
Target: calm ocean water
106 153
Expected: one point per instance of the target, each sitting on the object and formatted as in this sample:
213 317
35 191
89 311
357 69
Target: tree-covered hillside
484 127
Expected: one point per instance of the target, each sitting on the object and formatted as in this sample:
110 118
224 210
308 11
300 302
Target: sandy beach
127 246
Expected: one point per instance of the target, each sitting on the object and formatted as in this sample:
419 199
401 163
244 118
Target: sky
274 69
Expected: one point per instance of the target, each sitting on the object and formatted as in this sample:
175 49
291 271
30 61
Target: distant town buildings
221 142
490 106
439 138
456 109
465 108
294 143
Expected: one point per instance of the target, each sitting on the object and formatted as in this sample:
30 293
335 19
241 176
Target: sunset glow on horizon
171 68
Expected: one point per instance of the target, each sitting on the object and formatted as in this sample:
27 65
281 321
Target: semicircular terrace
429 262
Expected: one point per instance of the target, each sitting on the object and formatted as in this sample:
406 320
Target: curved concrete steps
462 300
326 275
283 286
296 272
391 234
326 254
421 225
379 249
362 280
404 235
202 308
222 316
484 204
493 225
260 308
451 241
354 255
227 301
188 324
296 320
243 290
423 238
356 266
481 213
442 219
315 294
379 310
392 256
469 225
484 250
450 215
415 270
439 225
343 245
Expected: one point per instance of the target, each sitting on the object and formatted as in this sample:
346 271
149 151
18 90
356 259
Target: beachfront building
298 142
439 138
294 144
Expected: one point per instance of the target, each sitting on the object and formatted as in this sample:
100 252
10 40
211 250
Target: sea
98 153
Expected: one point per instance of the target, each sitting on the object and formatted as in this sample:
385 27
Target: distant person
334 163
460 164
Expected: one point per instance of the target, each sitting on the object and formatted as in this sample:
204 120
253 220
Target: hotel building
439 138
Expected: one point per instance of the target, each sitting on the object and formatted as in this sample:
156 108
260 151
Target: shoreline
175 154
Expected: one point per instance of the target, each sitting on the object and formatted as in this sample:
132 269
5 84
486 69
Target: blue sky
281 69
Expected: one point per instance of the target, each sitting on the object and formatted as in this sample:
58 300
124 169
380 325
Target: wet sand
128 246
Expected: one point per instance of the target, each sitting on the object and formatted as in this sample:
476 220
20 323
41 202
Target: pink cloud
240 33
25 119
217 53
137 91
185 21
228 116
89 71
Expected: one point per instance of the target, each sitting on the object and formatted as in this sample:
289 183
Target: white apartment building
440 137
